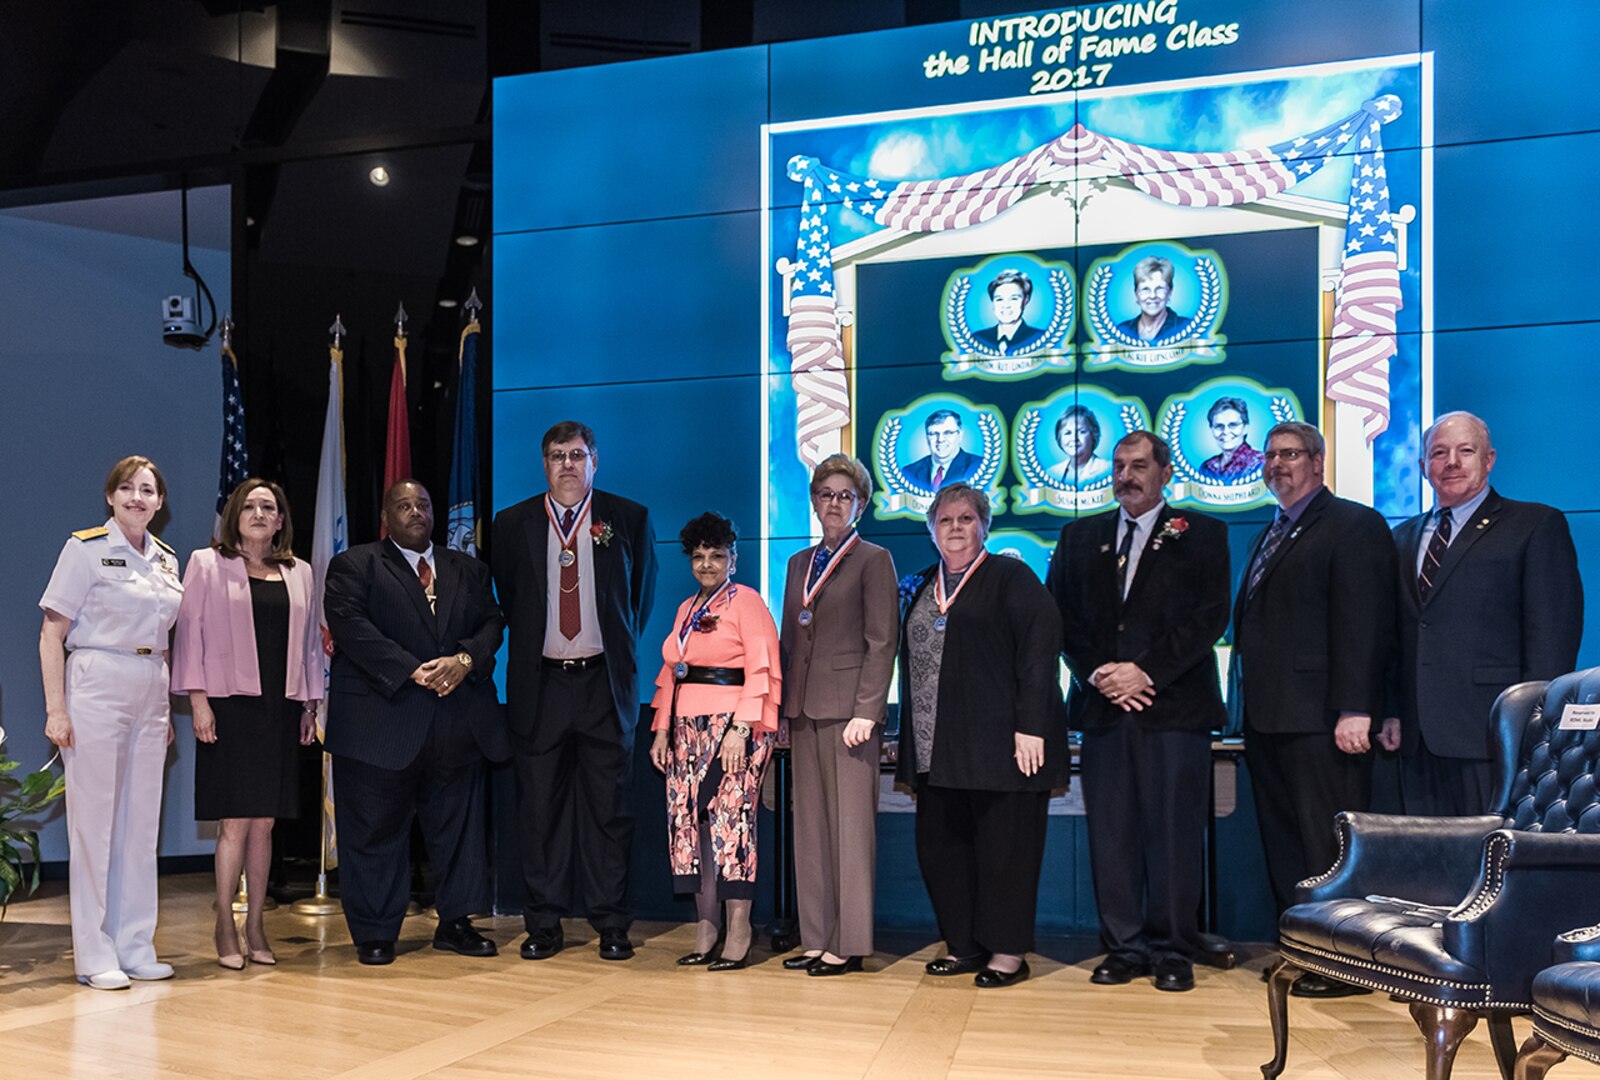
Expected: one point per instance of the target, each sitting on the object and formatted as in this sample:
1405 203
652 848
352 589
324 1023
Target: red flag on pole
397 447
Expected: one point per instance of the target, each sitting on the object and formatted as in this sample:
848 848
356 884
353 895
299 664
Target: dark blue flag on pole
462 524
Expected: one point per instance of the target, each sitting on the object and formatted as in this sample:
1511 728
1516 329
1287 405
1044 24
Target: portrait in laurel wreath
937 440
1063 444
1011 316
1155 306
1217 432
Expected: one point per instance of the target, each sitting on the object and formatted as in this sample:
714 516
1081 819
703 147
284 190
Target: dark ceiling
291 103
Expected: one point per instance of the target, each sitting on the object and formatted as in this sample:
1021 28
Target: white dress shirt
588 642
1460 516
1146 522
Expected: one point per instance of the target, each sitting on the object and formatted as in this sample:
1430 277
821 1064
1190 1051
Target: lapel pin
1104 548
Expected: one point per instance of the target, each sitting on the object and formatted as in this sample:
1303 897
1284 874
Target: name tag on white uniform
1579 717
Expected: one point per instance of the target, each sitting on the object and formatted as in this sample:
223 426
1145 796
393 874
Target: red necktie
425 575
571 610
938 477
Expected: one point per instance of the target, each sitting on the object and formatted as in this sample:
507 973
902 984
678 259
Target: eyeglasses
561 457
1285 455
835 496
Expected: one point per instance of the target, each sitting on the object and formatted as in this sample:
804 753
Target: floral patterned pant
698 790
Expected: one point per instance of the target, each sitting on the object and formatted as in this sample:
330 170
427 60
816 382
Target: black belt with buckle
581 663
709 676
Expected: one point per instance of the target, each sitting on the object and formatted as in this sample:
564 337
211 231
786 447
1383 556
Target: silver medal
805 617
940 623
679 670
567 558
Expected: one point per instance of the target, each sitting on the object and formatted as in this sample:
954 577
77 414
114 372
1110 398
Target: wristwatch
741 730
464 659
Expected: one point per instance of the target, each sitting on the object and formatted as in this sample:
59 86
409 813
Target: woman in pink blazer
249 655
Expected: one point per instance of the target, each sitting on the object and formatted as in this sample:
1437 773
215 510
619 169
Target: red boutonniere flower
601 533
707 622
1172 530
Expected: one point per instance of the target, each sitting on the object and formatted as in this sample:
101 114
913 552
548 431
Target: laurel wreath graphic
1172 425
955 307
1105 329
993 458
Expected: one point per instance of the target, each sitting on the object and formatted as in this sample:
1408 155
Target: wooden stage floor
319 1014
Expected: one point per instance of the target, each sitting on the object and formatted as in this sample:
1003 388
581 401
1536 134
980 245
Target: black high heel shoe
822 967
724 964
696 959
802 962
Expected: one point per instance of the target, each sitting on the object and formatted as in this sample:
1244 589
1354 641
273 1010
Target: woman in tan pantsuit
841 627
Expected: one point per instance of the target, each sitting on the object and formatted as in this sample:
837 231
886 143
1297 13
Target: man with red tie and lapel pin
1489 596
412 714
1143 593
576 572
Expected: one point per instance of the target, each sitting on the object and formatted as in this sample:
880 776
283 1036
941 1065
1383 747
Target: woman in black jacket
983 738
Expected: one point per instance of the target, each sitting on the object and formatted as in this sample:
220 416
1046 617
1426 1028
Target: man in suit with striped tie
412 714
1313 636
1489 596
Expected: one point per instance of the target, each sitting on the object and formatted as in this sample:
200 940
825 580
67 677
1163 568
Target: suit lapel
1407 539
410 584
538 540
605 558
1306 520
446 588
1466 534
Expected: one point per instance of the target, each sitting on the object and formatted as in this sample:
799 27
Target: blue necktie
1124 550
1275 535
819 562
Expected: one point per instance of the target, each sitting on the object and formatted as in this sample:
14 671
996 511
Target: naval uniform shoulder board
163 545
92 534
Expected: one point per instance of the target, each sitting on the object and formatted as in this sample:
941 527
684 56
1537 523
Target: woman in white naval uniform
110 603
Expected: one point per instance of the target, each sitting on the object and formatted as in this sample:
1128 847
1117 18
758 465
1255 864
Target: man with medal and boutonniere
716 712
983 739
840 629
1143 595
576 572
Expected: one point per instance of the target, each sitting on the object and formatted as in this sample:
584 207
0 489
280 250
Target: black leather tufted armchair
1566 1006
1455 915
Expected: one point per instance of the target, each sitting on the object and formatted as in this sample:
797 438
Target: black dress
250 771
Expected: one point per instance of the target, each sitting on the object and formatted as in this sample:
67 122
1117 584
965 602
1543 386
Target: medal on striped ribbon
947 602
809 593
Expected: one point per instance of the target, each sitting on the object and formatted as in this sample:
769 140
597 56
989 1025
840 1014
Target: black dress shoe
725 964
614 945
989 978
1116 970
542 944
801 962
375 952
460 936
822 967
1313 985
954 965
696 959
1174 973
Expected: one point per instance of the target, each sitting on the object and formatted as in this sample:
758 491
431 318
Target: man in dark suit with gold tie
1313 635
412 714
576 570
1143 593
1489 596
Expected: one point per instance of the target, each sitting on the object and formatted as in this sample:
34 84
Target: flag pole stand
241 899
320 903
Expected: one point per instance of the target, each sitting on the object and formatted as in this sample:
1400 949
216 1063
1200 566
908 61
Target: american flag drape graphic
234 468
1369 288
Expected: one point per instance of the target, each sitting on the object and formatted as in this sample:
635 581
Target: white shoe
106 980
154 971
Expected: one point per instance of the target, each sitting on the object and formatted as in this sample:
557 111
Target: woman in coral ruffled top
716 706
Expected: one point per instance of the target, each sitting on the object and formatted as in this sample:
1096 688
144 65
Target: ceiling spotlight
466 240
379 176
446 302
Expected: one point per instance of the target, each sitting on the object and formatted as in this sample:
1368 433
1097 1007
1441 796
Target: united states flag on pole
1368 297
461 528
234 468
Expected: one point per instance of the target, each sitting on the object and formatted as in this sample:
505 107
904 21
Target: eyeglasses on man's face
1286 455
561 457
